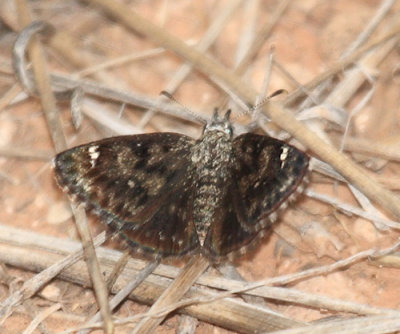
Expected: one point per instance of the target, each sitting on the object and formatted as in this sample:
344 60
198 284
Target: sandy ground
310 37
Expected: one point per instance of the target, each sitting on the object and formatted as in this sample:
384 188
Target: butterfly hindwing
170 231
267 171
227 235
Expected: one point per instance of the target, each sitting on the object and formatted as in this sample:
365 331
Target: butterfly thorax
211 157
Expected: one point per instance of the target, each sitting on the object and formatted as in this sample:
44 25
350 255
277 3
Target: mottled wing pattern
139 184
267 171
170 231
226 235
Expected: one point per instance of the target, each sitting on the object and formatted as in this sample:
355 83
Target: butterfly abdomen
211 167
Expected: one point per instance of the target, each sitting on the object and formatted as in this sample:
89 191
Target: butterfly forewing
132 181
267 172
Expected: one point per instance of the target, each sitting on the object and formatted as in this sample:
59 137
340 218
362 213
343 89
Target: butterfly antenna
259 104
262 98
267 98
196 116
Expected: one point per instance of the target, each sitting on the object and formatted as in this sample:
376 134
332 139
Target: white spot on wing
94 154
53 163
284 154
273 216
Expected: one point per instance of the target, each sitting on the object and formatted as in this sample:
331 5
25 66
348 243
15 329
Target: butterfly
171 195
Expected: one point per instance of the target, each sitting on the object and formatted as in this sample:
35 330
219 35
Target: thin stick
380 14
351 209
340 66
99 285
40 317
365 325
372 148
7 97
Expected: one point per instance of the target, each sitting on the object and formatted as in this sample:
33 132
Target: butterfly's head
220 123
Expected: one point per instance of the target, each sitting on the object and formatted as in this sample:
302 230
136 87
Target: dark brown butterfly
171 195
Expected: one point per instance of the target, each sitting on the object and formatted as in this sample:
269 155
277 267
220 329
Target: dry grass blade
365 325
40 317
